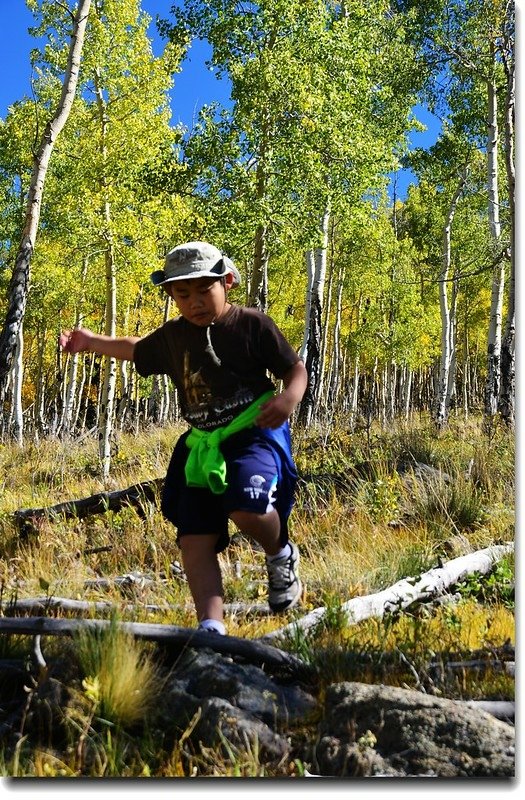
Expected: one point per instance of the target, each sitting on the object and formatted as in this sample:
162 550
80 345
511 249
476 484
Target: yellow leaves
91 686
308 124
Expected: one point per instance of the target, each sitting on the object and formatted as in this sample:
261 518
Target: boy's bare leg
264 528
202 569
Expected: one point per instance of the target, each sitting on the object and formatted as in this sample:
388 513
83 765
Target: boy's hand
275 411
279 408
75 341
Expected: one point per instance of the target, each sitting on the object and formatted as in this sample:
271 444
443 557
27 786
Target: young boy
235 462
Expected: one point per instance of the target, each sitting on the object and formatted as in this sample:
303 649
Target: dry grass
355 537
361 521
121 678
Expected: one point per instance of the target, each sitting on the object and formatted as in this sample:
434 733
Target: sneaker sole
280 607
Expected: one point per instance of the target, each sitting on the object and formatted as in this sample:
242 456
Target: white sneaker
284 586
211 629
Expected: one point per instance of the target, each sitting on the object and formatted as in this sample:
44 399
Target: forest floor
373 506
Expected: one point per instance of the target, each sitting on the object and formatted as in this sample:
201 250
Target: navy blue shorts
252 477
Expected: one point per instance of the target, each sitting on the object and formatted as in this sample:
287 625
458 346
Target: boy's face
201 300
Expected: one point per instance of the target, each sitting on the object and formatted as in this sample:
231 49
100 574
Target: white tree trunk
407 392
310 270
313 347
107 399
165 381
18 373
447 353
72 396
492 387
325 327
19 284
334 382
508 367
107 406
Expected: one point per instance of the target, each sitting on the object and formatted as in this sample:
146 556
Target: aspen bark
18 371
407 391
334 381
259 280
325 329
492 386
107 399
506 405
313 347
165 381
71 399
310 271
19 284
447 341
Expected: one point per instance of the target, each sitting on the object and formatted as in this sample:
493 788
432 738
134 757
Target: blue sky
194 86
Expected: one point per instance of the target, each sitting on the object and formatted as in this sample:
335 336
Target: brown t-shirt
218 370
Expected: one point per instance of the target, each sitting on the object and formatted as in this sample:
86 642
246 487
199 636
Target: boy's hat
195 260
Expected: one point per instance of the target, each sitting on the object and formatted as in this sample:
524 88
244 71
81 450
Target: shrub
120 678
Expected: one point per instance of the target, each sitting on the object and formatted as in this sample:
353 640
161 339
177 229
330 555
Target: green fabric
205 465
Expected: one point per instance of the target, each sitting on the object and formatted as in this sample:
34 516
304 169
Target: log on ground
253 651
405 592
137 496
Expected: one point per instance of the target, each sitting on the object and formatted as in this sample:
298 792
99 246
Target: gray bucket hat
195 260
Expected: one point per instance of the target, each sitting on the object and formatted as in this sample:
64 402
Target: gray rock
371 730
230 708
208 674
227 729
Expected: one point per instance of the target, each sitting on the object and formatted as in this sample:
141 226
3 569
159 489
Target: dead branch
405 592
137 496
501 709
253 651
48 604
477 665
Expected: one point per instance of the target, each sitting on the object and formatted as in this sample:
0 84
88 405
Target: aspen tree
20 280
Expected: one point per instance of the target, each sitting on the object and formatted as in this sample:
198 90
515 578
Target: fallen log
478 665
27 519
253 651
501 709
49 603
403 593
137 496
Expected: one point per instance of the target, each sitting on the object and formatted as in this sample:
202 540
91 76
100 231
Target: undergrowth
371 508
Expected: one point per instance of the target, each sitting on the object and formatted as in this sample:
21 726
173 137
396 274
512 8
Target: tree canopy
323 99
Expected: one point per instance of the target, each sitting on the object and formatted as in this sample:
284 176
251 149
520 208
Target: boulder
228 706
385 730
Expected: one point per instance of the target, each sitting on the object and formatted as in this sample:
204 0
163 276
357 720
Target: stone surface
370 729
224 704
238 712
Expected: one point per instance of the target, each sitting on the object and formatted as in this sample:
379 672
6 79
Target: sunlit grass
363 520
120 678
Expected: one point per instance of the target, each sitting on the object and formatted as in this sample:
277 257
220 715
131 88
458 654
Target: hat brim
158 278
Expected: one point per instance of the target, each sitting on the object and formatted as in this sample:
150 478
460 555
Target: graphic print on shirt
203 408
195 387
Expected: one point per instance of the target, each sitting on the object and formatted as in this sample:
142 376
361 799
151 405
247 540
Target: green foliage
496 587
321 107
381 498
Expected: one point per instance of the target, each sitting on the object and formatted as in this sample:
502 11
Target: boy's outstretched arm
279 408
81 340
